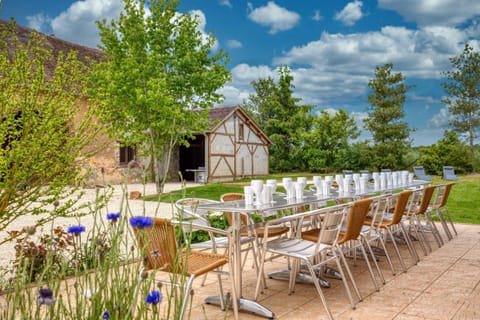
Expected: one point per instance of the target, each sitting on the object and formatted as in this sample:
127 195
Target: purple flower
45 296
114 216
106 315
76 230
141 222
154 297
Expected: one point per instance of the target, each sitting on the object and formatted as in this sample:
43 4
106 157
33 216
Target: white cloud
225 3
234 44
415 53
275 17
39 22
434 12
351 13
77 23
441 119
202 23
317 16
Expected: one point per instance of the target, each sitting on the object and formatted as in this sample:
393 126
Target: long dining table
280 202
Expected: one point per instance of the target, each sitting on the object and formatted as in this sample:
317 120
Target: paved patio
443 285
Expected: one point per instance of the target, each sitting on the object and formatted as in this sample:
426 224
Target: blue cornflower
114 216
154 297
141 222
45 296
76 230
106 315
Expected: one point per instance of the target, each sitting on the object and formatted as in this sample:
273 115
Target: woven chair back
158 245
356 217
400 206
232 196
426 197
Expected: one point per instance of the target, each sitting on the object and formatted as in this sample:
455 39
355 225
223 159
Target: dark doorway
192 157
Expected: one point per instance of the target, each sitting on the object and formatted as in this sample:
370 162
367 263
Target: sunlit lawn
463 203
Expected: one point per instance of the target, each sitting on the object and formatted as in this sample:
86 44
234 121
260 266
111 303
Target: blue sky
331 46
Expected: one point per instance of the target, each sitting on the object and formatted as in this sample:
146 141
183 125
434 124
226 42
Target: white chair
312 254
419 172
449 173
439 208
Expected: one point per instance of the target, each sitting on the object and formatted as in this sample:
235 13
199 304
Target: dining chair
392 224
439 208
249 229
350 239
419 172
307 252
187 209
158 245
420 219
449 173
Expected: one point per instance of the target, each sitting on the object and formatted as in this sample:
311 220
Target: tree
463 88
447 151
326 145
43 129
159 79
279 115
385 118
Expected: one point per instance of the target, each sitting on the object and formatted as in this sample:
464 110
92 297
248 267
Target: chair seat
311 235
385 222
272 231
294 247
199 263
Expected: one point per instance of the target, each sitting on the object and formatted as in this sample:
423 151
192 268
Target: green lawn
463 203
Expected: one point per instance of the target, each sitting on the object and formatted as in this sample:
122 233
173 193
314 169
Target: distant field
463 204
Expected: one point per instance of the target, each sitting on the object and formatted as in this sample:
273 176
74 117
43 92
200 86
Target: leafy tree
463 88
279 115
385 118
326 145
44 130
159 79
447 151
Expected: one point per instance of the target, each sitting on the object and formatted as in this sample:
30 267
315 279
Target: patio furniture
386 170
420 219
439 208
188 210
347 171
420 173
351 239
159 246
374 234
392 224
310 253
449 173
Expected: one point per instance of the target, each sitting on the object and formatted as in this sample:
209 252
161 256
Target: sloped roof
56 45
218 115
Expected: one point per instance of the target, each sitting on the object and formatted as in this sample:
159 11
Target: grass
463 203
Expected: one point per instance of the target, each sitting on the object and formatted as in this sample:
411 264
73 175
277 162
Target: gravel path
117 203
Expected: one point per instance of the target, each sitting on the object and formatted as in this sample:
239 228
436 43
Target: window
240 132
127 154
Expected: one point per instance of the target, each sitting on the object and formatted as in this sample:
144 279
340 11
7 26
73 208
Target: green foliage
326 145
159 69
384 121
283 120
43 129
463 90
447 151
